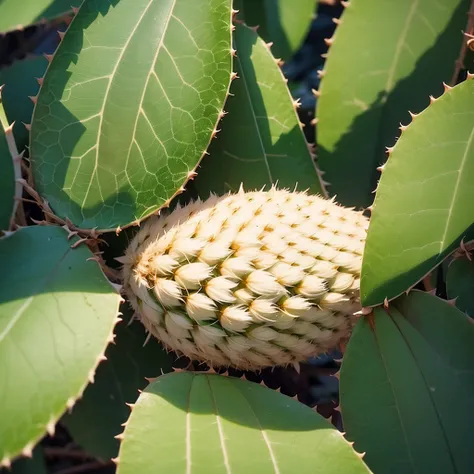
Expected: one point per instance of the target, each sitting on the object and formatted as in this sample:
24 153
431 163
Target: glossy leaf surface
57 313
118 128
261 141
422 208
406 387
210 424
386 59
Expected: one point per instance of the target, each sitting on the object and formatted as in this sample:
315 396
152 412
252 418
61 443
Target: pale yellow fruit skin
248 280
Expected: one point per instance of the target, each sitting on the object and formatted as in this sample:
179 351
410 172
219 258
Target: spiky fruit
248 280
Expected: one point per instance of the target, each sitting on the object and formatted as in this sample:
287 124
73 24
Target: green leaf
387 58
406 387
460 284
261 141
14 15
197 423
34 465
128 107
7 175
57 313
20 83
98 416
421 210
280 22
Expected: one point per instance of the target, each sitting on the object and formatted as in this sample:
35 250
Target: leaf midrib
107 91
264 434
254 116
225 454
428 391
470 143
400 43
391 385
152 68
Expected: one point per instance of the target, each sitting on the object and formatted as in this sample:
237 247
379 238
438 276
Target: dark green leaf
422 210
387 58
261 141
20 83
406 387
98 416
460 284
33 465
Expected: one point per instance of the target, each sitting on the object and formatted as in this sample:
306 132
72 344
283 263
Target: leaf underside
118 128
209 424
97 417
57 313
422 208
386 59
20 83
261 142
406 387
13 15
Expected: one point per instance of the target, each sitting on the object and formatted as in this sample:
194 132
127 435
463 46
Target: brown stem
84 467
66 453
468 34
427 283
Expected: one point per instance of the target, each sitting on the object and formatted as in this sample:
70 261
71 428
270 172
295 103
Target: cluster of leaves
123 117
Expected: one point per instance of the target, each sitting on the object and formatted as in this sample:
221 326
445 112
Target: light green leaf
196 423
460 284
20 83
407 381
7 174
422 209
261 141
14 15
57 313
280 22
128 107
97 417
386 59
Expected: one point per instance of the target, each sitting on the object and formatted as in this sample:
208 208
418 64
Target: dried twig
84 467
466 44
16 158
54 452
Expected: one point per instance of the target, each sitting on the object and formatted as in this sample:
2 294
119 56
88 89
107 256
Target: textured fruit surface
248 280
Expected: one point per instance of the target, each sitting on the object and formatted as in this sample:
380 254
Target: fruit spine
248 280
